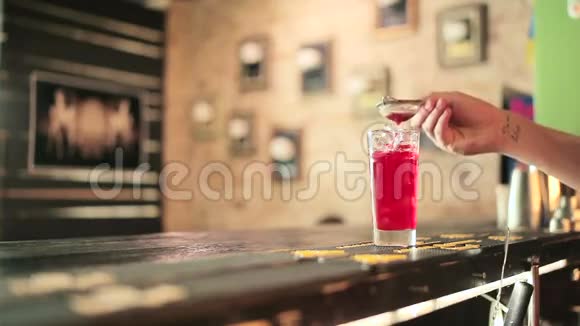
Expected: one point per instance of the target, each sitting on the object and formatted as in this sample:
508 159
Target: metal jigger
389 105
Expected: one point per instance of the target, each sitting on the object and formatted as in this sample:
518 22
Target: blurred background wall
202 62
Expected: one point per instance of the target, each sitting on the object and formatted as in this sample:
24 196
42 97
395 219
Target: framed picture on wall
205 119
286 153
367 85
78 124
396 17
253 64
462 35
314 62
240 131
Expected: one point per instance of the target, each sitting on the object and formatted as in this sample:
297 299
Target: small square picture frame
367 85
253 63
396 18
462 35
285 147
205 118
315 64
241 133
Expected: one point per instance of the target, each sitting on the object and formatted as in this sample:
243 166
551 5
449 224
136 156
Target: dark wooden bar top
257 277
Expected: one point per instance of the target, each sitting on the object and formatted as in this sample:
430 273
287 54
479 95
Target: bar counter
258 278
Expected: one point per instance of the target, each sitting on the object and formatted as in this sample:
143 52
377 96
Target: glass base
402 238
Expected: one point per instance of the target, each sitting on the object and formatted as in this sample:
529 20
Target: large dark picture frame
79 124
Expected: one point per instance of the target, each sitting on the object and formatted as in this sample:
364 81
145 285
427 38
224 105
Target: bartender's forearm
554 152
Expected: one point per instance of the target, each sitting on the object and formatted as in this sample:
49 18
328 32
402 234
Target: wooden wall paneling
109 40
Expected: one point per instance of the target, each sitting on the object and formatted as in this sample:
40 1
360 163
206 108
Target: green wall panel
557 96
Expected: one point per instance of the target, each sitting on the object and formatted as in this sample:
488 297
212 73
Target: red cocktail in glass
394 155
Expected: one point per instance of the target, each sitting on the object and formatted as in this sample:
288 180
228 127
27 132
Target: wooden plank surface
230 277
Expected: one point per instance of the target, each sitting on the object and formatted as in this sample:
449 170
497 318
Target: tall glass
394 173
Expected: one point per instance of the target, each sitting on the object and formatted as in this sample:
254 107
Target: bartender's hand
459 123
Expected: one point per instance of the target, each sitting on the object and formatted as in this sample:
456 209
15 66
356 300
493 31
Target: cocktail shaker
524 201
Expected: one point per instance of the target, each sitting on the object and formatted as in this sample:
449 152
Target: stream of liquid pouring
400 117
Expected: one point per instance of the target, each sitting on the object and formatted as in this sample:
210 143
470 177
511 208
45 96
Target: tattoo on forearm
511 129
